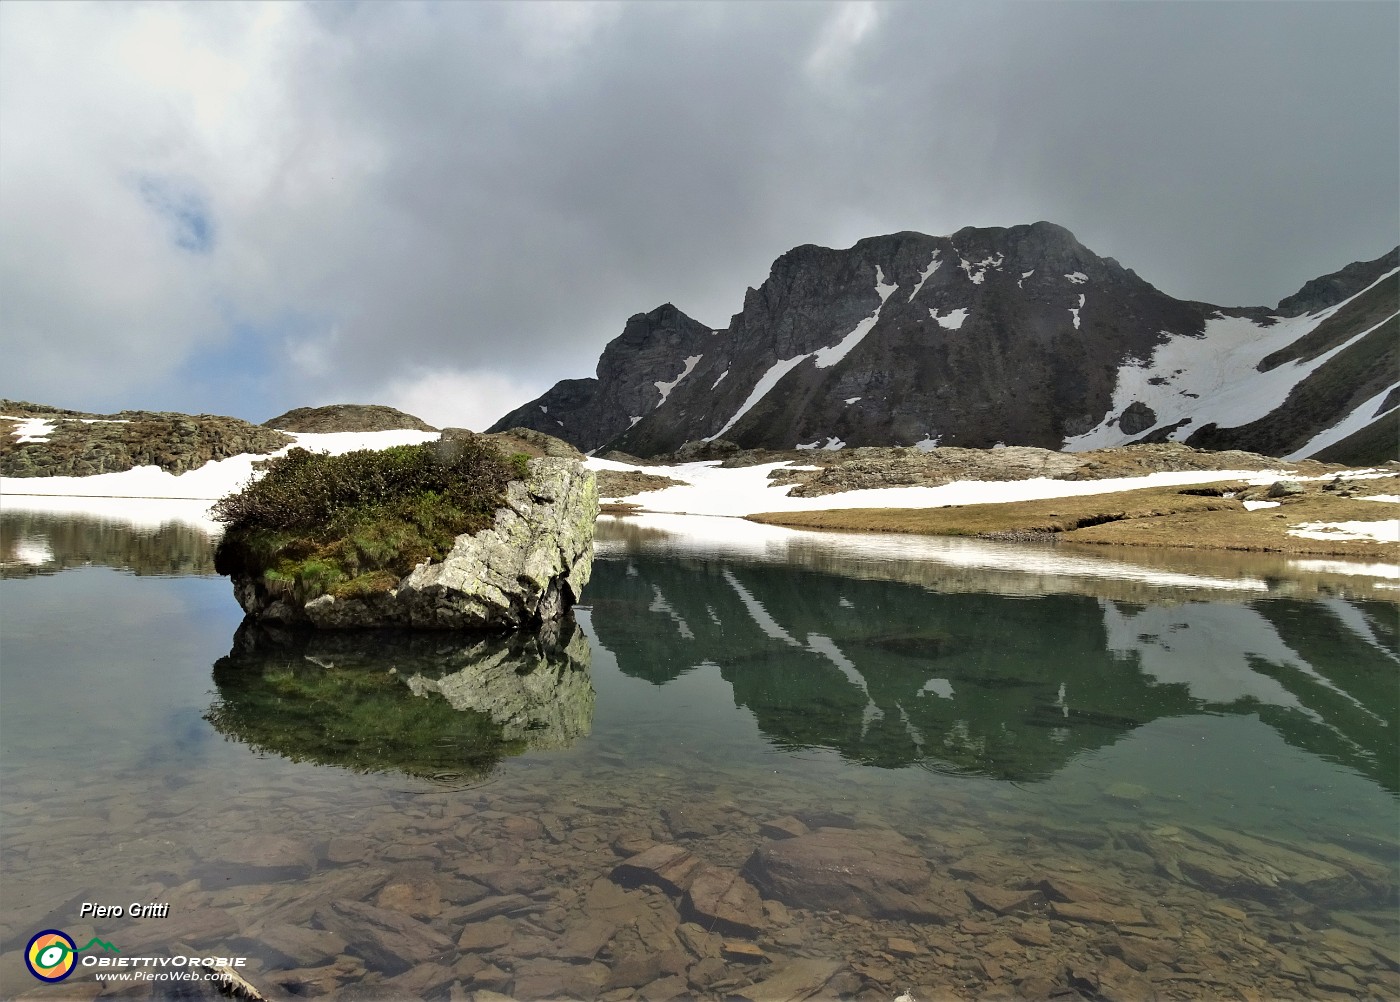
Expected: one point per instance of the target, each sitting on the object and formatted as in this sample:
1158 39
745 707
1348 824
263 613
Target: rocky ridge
77 444
872 467
1020 336
346 417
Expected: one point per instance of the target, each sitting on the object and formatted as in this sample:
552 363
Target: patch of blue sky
245 371
184 209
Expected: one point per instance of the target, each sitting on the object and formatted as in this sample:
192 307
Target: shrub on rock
448 534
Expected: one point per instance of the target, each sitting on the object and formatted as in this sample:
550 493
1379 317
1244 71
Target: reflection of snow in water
659 604
712 536
32 550
827 648
1211 649
1346 567
1354 620
1207 648
940 687
817 644
757 612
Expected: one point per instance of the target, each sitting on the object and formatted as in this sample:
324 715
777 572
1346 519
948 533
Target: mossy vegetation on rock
453 534
356 523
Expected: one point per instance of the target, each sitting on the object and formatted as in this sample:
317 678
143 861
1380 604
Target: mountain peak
1018 335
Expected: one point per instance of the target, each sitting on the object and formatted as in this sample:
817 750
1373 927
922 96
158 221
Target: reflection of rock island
893 674
38 543
432 705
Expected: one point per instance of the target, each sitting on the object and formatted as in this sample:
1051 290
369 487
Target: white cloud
841 36
190 189
457 399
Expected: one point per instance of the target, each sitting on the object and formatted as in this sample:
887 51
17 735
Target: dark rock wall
1017 336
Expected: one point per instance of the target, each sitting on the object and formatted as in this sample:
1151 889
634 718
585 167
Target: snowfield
709 490
1215 379
149 496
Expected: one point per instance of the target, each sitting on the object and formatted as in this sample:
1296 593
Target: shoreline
1339 513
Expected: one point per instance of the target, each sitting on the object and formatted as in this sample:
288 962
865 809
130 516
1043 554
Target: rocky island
456 534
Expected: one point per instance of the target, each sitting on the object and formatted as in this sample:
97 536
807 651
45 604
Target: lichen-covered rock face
526 570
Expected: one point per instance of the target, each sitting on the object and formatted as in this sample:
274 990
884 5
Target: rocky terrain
1020 336
864 468
346 417
814 474
41 441
581 882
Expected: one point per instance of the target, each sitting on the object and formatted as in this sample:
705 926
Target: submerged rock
877 874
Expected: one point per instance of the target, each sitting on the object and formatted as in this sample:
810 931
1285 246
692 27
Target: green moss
354 524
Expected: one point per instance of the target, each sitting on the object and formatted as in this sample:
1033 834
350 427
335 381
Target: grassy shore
1161 516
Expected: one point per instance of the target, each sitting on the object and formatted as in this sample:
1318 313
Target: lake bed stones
872 873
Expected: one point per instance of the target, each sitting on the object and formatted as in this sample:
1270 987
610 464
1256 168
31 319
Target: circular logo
50 955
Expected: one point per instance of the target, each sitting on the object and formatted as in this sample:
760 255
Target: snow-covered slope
1220 377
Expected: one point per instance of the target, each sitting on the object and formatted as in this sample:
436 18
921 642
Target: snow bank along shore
148 496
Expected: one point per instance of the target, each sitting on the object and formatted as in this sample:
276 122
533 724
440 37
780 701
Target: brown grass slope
1154 516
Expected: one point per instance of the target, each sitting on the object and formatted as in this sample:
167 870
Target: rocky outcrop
1018 335
1329 290
636 374
347 417
77 444
869 468
527 569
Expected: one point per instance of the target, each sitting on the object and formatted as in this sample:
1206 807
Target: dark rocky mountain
635 375
1020 336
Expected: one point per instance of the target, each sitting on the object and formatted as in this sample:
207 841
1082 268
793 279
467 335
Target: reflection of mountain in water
436 706
1320 673
893 674
39 543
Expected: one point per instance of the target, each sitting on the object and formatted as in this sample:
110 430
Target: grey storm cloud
451 206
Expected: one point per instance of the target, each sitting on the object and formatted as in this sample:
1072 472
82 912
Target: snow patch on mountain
952 320
1364 413
31 429
823 357
666 388
1214 378
1384 531
977 270
706 488
925 274
1077 277
765 383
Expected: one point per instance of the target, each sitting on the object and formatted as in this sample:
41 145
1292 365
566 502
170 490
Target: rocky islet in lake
452 535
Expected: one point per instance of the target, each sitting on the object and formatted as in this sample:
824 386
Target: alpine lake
757 764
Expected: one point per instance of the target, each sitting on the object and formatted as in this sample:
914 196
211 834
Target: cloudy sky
448 207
